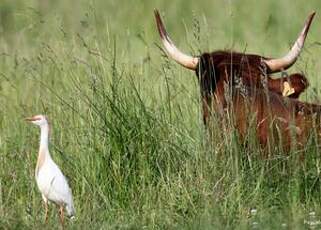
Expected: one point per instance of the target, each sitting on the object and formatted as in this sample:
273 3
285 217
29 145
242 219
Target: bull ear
181 58
279 64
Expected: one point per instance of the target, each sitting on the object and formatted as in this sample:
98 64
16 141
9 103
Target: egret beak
30 119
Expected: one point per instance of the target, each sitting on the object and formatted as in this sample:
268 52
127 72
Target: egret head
39 120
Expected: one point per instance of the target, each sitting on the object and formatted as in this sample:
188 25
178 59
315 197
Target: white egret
51 182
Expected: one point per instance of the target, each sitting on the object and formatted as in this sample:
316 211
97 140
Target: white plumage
50 180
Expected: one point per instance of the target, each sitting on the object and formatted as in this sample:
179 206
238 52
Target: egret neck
43 149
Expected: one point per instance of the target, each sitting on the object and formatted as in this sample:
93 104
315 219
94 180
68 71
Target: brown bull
253 90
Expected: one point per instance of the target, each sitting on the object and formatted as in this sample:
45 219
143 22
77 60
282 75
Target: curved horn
181 58
288 60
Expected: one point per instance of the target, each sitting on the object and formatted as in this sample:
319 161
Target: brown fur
286 117
253 92
238 69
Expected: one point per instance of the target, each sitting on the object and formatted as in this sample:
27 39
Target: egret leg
46 212
61 214
46 209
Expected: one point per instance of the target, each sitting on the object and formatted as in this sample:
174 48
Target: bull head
219 67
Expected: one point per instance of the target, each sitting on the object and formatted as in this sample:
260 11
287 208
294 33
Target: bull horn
181 58
288 60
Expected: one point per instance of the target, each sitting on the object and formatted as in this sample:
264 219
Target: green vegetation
126 122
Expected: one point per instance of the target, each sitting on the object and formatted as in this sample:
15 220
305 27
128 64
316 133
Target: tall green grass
126 122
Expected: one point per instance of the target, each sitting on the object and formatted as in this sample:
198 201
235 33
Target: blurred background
248 24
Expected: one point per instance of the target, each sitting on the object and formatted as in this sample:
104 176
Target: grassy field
126 121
